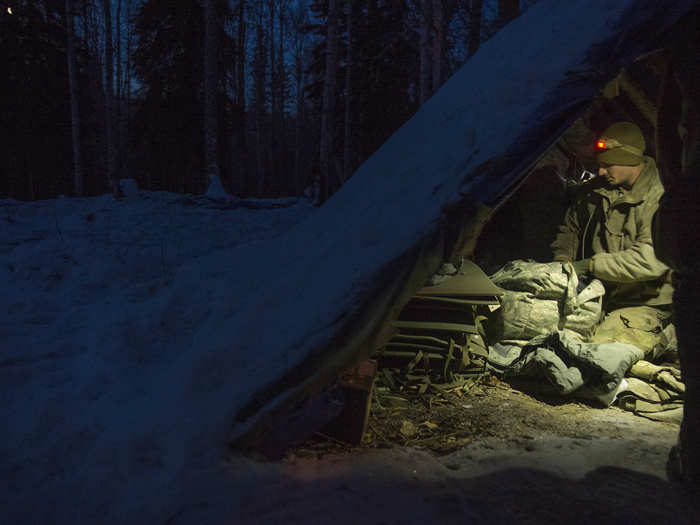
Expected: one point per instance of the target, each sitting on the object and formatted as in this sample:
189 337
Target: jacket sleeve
565 245
636 263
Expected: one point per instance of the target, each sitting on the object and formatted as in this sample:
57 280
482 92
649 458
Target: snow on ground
100 299
559 481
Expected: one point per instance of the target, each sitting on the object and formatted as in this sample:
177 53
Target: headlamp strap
604 144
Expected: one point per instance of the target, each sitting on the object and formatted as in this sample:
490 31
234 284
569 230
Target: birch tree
75 113
211 161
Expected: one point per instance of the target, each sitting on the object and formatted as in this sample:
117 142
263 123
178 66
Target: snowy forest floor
492 455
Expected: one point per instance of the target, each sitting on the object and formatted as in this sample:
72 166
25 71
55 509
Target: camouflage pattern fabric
654 392
641 326
541 298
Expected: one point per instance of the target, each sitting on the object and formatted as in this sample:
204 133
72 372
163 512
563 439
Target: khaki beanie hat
621 144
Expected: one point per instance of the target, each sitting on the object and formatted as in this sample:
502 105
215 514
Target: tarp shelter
423 197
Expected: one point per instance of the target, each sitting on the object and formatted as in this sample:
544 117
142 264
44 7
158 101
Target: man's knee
641 326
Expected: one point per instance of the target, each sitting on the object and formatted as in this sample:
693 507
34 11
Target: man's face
616 176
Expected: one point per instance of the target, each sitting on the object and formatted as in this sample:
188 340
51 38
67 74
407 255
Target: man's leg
641 326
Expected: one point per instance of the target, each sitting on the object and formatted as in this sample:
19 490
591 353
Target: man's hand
582 267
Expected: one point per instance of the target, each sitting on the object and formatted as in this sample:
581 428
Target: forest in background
260 98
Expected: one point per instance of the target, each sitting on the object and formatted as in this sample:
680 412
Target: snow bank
102 299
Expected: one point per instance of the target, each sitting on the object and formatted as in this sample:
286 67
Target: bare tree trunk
272 53
507 11
118 102
241 54
94 122
211 160
298 130
277 79
241 60
438 36
349 58
119 52
259 102
425 31
30 185
126 88
328 111
280 97
474 26
75 113
365 146
272 129
300 20
109 100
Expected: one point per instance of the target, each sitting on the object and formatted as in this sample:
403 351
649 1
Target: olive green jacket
613 226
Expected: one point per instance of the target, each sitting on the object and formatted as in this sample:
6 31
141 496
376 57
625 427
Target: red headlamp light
606 144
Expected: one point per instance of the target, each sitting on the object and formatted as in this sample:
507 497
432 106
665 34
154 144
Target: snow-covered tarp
137 339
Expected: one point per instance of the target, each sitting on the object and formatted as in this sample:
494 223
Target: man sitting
607 234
